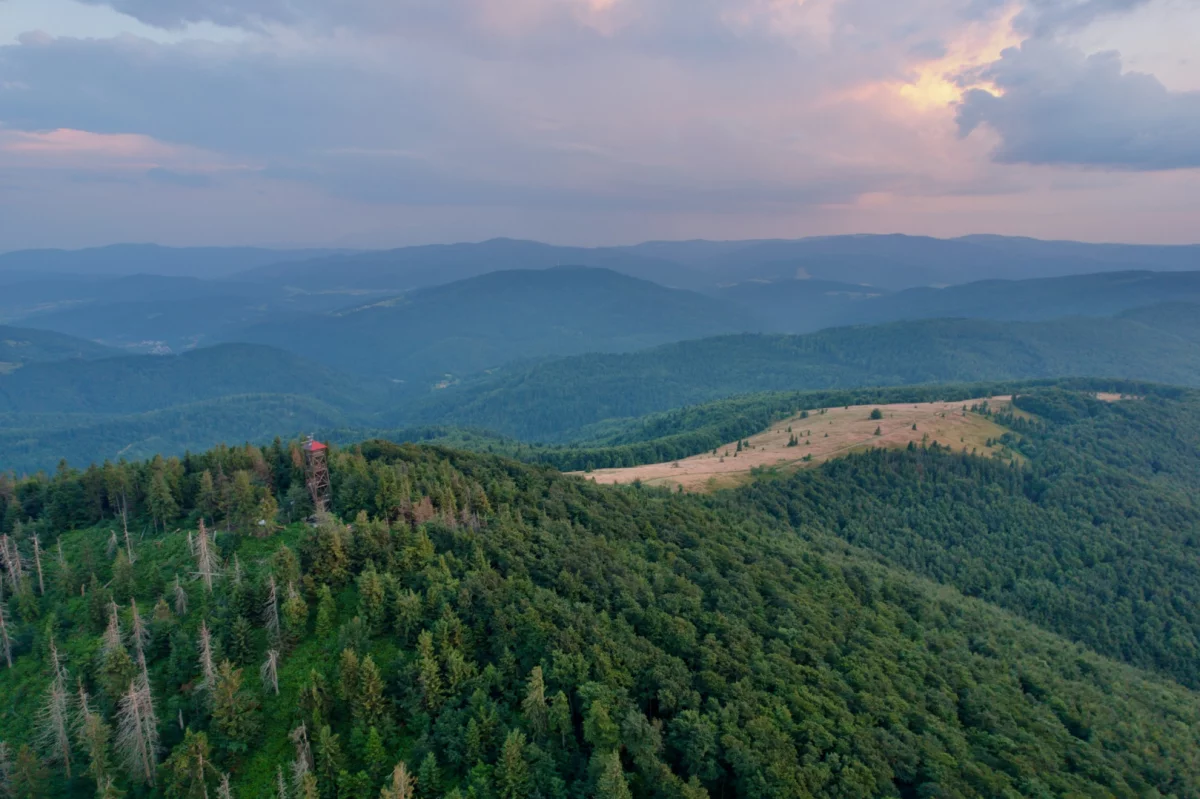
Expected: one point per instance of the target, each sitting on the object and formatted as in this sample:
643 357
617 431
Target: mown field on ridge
810 438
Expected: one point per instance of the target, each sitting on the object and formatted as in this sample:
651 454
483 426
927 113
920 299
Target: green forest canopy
503 630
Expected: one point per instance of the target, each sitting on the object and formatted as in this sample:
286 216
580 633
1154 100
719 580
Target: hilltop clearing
810 438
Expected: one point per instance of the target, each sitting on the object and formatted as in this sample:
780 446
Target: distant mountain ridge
555 400
493 319
20 346
133 259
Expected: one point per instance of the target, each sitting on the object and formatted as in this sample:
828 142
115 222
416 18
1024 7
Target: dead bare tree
403 784
270 671
5 643
209 683
303 763
139 636
271 610
206 567
125 527
181 598
112 640
223 790
112 544
37 559
6 767
137 732
282 786
53 717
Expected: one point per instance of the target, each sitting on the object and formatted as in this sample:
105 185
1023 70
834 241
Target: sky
377 123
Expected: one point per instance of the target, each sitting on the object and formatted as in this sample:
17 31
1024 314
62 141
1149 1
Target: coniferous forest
920 623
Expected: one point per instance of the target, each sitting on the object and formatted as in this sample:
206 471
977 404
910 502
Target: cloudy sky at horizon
373 123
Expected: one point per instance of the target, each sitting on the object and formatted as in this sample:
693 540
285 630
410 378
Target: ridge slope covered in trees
491 629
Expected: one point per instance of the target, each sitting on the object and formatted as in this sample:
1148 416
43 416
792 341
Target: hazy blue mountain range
800 306
554 400
20 346
136 259
487 321
89 411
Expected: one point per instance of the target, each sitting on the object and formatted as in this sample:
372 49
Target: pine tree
559 716
6 771
162 504
348 667
234 709
122 577
375 755
189 769
206 497
326 614
295 617
29 776
285 566
371 597
611 782
534 704
95 737
429 777
329 758
369 704
429 672
512 772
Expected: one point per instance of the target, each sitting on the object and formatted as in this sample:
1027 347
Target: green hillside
487 321
556 400
800 306
20 346
1095 536
135 383
32 442
498 630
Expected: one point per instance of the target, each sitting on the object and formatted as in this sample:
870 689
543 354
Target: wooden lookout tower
316 472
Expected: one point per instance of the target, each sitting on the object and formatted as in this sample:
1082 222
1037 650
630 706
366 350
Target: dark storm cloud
1058 106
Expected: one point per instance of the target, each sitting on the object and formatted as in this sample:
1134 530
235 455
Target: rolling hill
409 268
804 306
20 346
487 321
497 629
555 400
136 383
138 259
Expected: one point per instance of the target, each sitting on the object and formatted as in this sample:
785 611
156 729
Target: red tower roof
313 446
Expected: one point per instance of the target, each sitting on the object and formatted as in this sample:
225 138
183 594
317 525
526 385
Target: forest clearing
813 437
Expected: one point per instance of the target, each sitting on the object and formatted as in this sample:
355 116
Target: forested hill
1096 535
487 321
489 629
19 346
136 383
554 400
